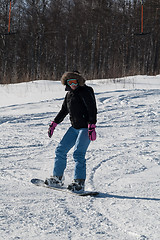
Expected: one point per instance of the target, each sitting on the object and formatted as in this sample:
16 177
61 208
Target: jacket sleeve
62 113
90 104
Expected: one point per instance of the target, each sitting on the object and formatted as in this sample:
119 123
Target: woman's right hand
51 129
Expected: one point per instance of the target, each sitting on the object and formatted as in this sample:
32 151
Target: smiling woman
72 83
80 104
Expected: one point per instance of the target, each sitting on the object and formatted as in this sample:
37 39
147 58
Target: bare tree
99 38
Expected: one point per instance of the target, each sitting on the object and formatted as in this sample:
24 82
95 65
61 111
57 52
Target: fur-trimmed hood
72 75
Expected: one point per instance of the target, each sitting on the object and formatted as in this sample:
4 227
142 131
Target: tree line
101 39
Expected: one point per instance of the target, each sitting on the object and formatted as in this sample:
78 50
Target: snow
122 164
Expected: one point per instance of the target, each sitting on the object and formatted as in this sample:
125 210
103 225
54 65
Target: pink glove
51 129
92 132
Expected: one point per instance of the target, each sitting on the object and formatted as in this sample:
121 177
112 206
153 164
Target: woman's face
73 83
73 87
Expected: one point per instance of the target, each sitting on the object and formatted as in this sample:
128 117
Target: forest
41 39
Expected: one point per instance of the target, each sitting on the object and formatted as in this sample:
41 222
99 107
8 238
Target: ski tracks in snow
122 164
129 140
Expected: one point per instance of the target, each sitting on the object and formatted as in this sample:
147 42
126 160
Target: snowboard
41 183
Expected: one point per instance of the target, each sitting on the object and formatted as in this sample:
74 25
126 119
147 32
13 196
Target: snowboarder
80 104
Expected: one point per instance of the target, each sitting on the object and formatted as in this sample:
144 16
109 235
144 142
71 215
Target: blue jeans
80 140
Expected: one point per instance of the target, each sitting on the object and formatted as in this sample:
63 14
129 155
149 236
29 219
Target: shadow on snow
107 195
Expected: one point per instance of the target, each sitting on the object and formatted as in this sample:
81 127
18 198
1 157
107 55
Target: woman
80 104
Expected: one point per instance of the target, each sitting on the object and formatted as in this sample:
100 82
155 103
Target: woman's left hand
92 132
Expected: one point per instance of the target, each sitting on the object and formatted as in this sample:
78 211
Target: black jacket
81 106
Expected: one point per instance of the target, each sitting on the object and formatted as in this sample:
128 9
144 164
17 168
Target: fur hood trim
72 75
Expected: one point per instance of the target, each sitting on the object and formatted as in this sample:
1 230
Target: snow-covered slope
123 164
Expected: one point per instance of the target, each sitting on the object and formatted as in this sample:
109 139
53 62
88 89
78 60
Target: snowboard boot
77 186
54 181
